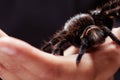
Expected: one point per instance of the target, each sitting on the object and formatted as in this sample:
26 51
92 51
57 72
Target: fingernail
7 50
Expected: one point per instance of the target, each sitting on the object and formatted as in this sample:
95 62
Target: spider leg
59 50
82 50
49 45
56 39
112 36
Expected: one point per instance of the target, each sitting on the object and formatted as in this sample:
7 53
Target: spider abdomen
75 27
79 22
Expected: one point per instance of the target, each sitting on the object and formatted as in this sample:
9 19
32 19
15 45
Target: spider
86 30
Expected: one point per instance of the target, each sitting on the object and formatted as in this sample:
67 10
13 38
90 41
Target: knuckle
12 67
2 72
112 47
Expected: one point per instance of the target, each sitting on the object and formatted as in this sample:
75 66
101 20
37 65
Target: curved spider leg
82 50
112 8
59 50
49 45
56 39
112 36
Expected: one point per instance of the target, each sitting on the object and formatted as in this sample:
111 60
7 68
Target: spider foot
79 58
58 52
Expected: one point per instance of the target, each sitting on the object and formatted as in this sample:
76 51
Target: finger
26 58
71 50
116 31
13 65
2 33
6 75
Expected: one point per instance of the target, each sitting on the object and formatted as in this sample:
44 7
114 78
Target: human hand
21 61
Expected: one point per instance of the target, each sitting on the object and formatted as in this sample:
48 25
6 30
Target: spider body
75 27
86 30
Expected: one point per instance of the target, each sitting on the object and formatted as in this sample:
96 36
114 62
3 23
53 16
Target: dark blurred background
36 20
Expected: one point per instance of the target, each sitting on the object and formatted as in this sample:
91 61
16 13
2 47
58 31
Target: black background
36 20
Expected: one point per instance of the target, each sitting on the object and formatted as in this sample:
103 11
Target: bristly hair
111 8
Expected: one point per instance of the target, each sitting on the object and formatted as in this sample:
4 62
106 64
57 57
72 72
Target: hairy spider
86 30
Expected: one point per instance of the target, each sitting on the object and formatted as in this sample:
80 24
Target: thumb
23 48
2 33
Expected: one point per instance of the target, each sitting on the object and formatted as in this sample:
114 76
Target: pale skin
21 61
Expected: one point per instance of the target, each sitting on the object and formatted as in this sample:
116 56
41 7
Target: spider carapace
86 30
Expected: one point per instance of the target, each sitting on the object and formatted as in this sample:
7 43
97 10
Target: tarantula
86 30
